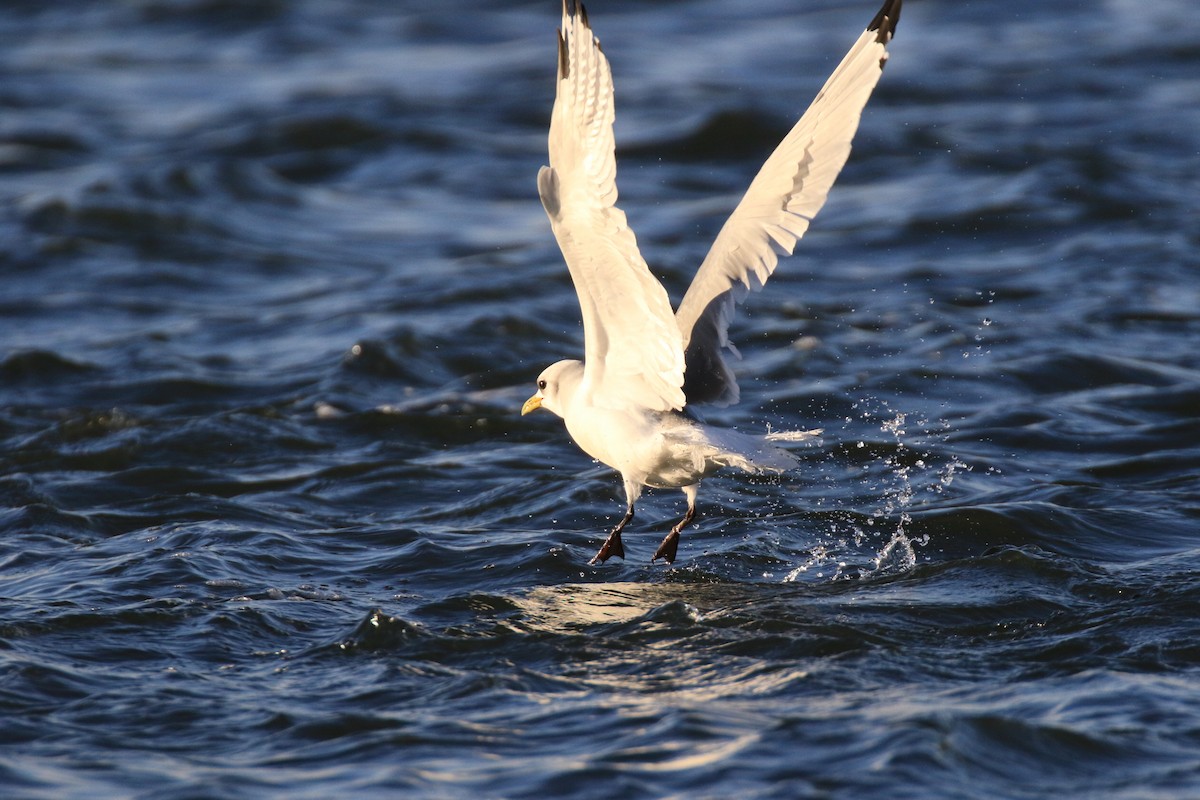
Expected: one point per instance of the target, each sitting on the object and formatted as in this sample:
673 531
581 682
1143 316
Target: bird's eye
542 385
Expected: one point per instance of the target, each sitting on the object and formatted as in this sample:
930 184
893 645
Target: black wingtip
885 21
573 8
564 58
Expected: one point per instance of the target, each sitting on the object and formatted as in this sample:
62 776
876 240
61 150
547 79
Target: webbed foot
612 547
666 550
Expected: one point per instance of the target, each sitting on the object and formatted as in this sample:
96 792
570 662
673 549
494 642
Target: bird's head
555 386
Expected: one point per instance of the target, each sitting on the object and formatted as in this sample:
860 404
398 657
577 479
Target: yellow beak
532 404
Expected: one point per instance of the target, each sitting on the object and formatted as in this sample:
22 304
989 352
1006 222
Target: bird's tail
757 453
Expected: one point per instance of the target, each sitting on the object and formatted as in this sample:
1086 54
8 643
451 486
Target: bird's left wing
633 352
788 191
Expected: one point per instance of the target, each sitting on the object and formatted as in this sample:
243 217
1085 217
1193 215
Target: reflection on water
574 607
670 644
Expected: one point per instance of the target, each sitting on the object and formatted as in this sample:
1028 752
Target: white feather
787 193
633 354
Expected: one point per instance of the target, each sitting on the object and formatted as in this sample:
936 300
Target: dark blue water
276 281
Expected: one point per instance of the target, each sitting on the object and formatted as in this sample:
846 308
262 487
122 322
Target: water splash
899 553
907 476
911 471
981 341
820 558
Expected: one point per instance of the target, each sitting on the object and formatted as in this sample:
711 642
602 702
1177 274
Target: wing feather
775 212
633 352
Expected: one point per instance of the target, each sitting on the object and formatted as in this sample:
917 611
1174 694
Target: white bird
624 404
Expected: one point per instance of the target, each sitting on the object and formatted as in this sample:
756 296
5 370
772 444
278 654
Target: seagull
628 404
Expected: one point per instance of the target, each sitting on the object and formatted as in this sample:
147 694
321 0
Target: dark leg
666 550
612 545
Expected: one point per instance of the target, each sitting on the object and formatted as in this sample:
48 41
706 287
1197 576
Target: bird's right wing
633 354
788 191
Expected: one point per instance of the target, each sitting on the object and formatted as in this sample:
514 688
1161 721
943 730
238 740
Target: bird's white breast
655 449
